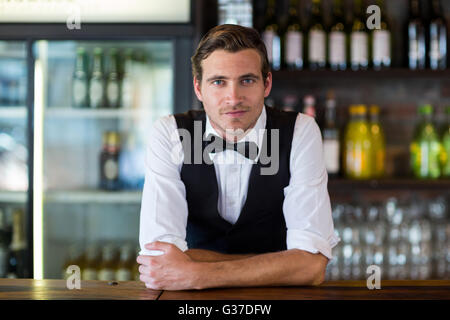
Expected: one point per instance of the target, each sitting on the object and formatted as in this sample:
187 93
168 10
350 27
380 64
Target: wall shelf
395 73
389 183
93 197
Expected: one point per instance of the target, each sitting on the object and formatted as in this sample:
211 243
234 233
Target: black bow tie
247 149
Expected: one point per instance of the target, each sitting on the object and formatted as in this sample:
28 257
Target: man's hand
174 270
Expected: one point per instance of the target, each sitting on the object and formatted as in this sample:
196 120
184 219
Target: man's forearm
291 267
202 255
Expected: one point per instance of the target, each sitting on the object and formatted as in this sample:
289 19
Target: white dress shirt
306 207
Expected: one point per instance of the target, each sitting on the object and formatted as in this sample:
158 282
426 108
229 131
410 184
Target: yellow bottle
74 257
378 143
108 266
124 271
90 270
357 145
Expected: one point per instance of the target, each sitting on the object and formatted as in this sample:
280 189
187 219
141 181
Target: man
224 223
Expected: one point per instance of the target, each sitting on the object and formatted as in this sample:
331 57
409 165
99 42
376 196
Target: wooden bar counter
26 289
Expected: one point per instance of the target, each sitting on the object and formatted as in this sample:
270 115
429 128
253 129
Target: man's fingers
143 269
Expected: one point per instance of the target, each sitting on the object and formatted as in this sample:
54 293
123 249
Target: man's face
232 89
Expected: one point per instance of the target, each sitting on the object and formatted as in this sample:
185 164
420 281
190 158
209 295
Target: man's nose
234 94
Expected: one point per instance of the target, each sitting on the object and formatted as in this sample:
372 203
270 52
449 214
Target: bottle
80 81
109 161
378 143
359 39
5 239
309 106
97 81
127 81
357 145
74 257
425 149
337 39
331 145
124 271
445 155
290 102
293 39
113 83
90 270
316 38
17 251
136 273
108 265
381 42
416 37
438 38
271 36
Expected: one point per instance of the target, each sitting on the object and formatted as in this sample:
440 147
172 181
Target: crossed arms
201 269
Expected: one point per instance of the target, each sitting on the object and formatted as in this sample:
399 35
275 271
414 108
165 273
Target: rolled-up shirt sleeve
306 207
164 211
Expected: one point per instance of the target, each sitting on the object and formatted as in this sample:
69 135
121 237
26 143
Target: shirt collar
255 134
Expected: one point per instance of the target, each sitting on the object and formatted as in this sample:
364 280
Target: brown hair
231 38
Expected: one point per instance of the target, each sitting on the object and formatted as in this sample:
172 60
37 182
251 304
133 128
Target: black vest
261 226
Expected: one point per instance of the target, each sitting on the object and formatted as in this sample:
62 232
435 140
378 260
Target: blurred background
76 106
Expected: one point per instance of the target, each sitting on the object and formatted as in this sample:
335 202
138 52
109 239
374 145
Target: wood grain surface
333 290
26 289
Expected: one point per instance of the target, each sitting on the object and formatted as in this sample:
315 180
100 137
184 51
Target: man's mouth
236 114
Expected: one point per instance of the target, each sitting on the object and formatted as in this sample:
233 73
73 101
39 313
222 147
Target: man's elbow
318 277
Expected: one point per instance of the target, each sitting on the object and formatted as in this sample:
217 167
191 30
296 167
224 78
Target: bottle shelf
71 113
93 197
385 74
14 112
336 184
13 196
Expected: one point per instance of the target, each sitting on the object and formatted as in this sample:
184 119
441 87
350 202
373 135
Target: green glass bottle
316 38
445 155
381 42
80 81
378 143
359 38
426 147
416 37
113 81
338 38
357 162
293 39
438 38
97 82
271 36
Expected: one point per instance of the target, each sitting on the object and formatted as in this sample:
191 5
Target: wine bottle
316 38
416 37
97 82
438 38
337 39
271 36
17 254
80 81
331 145
112 81
293 50
381 42
359 39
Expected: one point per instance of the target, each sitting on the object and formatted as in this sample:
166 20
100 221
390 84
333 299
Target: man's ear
267 84
197 89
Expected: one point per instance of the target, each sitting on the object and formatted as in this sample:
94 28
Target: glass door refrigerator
94 93
14 160
95 102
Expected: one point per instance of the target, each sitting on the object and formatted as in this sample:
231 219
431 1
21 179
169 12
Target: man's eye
218 82
248 81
